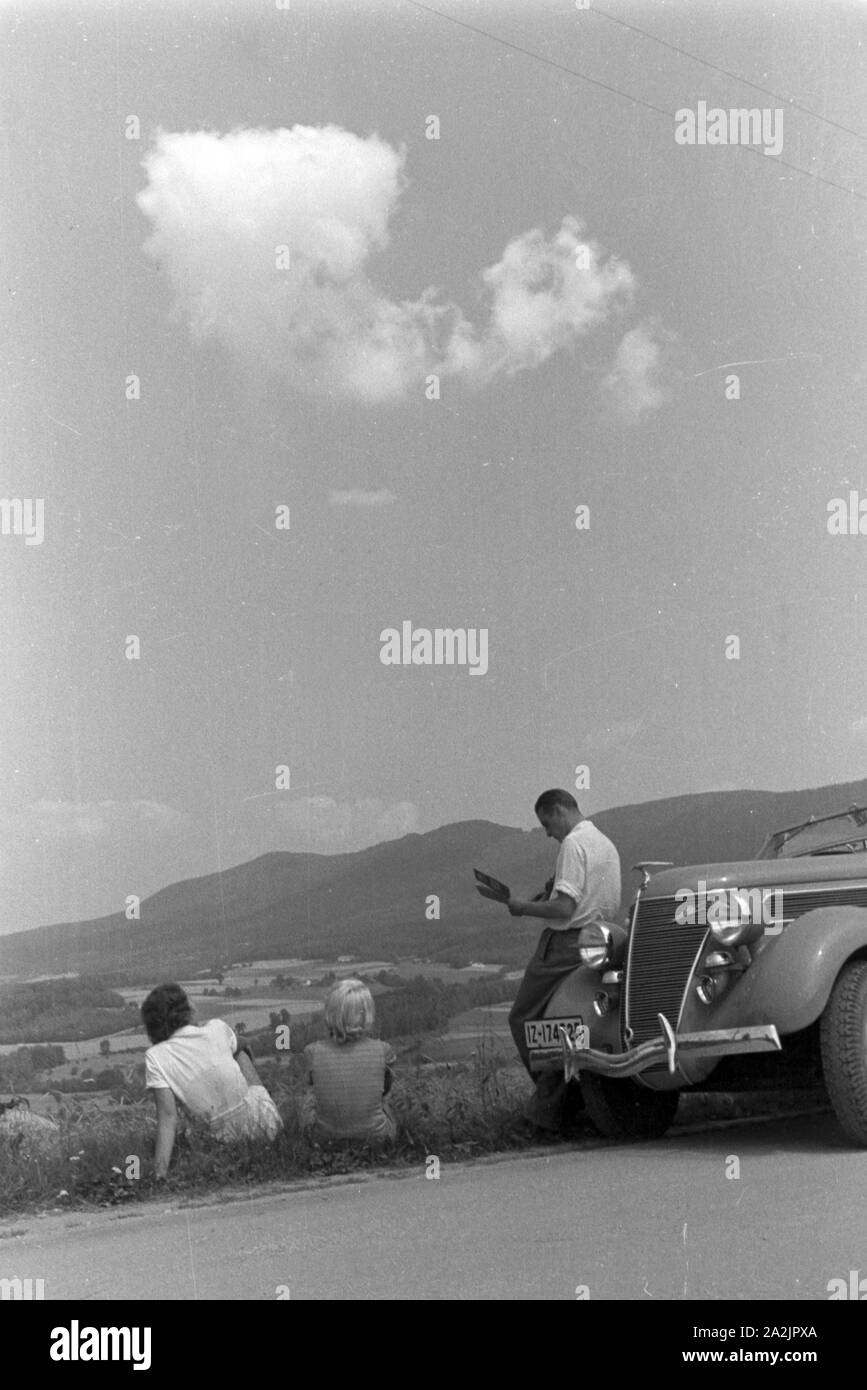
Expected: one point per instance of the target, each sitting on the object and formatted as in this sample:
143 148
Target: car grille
661 957
797 901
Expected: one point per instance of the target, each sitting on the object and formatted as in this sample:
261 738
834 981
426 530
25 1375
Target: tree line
419 1005
47 1010
19 1068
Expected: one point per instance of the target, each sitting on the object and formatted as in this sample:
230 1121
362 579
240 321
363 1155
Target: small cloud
325 826
634 381
357 497
58 822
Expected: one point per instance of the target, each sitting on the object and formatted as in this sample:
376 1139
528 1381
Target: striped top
348 1080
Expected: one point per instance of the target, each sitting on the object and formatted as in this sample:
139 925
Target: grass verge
103 1157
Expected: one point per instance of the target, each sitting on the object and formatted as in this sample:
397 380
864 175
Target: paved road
655 1221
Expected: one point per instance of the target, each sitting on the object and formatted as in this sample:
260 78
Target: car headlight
595 945
731 922
707 989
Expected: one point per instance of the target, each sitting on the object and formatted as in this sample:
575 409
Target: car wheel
572 1115
625 1110
844 1050
573 1102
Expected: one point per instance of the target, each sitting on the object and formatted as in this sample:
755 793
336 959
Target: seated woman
350 1074
204 1070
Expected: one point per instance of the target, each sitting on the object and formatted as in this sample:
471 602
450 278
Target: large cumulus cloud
267 237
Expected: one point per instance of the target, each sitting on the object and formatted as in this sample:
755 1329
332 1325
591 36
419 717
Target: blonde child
350 1073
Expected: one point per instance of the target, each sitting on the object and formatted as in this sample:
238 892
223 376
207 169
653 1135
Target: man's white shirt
588 871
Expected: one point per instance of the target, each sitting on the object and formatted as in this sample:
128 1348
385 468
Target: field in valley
303 998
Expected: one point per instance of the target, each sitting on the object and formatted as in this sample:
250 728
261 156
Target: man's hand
490 893
545 893
558 909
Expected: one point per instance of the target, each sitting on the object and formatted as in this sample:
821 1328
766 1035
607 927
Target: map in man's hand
491 887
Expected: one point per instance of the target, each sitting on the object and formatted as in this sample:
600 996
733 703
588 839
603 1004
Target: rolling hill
372 903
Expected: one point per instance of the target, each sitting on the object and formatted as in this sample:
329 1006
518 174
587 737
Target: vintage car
727 977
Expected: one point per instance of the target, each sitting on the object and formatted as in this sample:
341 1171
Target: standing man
586 888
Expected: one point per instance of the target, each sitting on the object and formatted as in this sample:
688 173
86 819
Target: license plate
545 1033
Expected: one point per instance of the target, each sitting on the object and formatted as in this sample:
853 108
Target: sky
327 317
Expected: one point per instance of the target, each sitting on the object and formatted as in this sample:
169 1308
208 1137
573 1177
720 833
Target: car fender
793 973
573 998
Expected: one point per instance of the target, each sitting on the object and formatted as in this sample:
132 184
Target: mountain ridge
374 902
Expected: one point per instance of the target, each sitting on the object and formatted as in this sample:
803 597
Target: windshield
843 833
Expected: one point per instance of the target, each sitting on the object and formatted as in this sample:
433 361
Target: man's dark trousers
555 957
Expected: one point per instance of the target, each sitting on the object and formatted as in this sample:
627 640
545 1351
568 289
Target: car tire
573 1102
625 1110
843 1042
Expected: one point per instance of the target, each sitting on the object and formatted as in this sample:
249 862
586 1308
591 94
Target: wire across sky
649 105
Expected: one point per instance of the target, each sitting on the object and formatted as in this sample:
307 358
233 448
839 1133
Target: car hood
758 873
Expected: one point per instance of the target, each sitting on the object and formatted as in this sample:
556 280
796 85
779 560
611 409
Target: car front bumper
668 1047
